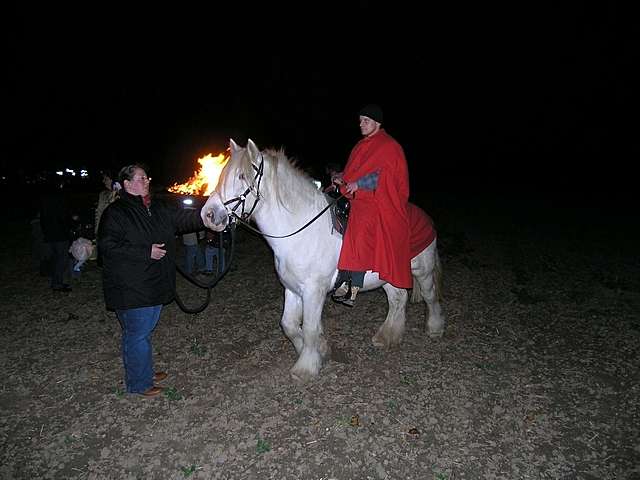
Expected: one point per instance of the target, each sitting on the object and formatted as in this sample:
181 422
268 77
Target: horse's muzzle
217 224
214 214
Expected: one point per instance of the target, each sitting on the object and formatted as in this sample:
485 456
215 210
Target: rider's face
368 126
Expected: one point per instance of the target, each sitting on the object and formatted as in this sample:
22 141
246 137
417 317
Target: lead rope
206 285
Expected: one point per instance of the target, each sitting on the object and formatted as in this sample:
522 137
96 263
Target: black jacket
131 278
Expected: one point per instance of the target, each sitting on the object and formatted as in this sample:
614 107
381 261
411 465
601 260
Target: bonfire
203 181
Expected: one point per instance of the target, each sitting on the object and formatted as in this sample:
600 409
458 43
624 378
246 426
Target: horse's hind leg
315 349
292 319
428 277
391 331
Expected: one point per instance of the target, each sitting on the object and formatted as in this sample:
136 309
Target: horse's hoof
387 339
301 377
325 351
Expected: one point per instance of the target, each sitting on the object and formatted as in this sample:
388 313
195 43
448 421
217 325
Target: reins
245 224
255 188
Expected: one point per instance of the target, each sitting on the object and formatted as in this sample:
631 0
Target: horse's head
238 189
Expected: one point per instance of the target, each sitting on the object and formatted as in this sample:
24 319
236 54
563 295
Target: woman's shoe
159 376
152 392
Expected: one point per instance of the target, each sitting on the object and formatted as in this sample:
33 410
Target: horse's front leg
315 349
292 318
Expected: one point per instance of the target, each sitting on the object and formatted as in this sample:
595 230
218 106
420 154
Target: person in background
215 248
376 180
193 254
137 239
105 197
56 222
40 250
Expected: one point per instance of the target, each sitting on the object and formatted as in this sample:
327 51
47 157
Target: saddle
339 211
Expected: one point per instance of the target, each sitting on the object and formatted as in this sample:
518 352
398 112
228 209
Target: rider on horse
376 180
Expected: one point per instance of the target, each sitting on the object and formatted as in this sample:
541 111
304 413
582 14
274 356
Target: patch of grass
352 421
488 367
439 476
342 421
197 349
409 379
262 446
119 393
188 471
69 439
392 405
172 394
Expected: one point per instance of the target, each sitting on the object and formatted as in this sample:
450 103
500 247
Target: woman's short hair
127 173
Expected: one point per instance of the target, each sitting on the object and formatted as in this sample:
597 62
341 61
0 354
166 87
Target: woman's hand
157 252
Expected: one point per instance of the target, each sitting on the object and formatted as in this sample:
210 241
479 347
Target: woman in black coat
137 241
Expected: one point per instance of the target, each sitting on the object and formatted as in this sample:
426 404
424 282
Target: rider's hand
352 187
337 179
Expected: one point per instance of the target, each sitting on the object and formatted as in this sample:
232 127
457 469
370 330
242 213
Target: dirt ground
536 376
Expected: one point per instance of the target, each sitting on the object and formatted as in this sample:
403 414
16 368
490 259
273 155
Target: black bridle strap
241 199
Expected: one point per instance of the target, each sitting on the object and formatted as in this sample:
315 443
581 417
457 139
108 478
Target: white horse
281 199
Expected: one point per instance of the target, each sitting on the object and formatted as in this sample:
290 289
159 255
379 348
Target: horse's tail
416 293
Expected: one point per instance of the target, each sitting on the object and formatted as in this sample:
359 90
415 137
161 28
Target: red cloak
377 236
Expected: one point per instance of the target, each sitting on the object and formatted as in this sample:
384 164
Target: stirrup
350 299
341 292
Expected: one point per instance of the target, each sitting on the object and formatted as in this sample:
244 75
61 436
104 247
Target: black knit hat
373 111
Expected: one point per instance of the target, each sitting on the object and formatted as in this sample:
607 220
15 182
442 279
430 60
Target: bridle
254 188
241 199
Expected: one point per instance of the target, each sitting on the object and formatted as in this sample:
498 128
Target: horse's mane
290 183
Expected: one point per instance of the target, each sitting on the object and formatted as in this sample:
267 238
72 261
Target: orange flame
204 181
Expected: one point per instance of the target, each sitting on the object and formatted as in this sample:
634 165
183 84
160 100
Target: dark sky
531 96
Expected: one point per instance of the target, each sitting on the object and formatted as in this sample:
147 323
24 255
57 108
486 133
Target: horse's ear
253 149
233 145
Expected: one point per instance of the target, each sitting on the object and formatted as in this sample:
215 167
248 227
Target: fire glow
204 181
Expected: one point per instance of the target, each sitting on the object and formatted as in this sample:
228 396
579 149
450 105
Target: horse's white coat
306 262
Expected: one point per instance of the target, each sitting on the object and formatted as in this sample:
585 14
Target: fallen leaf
355 421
